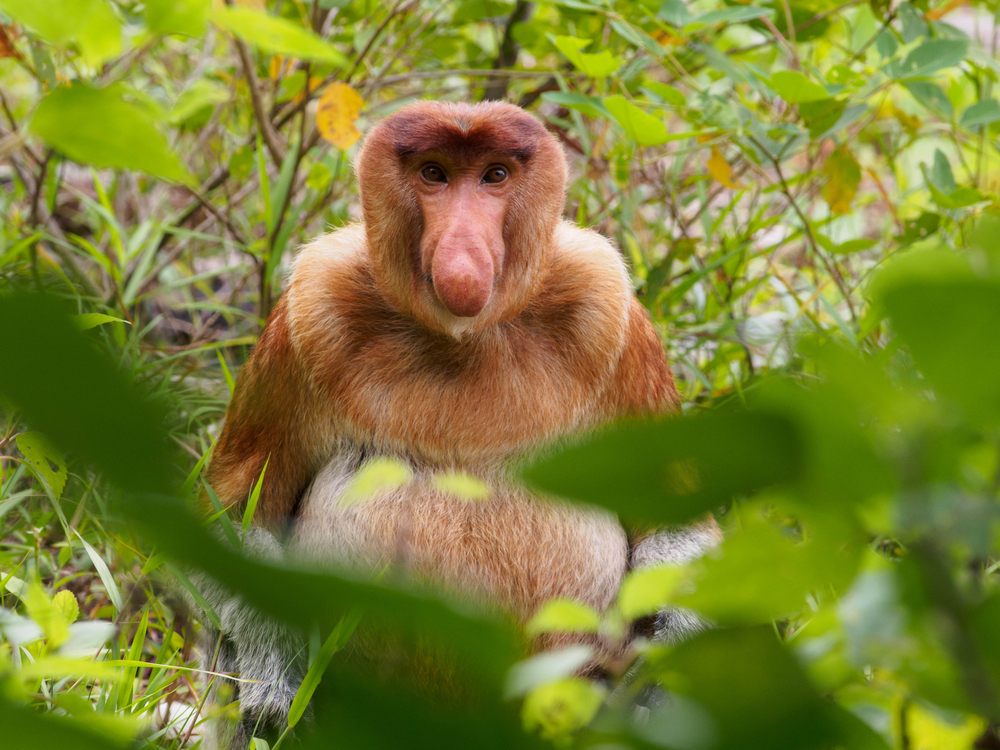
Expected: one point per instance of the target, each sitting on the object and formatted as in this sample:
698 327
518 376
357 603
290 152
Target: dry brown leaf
937 13
720 169
336 114
6 44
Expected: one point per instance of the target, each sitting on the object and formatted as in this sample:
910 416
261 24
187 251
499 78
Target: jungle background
805 193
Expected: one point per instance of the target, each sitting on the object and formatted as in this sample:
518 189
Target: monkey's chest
511 550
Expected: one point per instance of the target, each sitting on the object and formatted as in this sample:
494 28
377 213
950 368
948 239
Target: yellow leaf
278 67
720 169
48 616
66 603
336 113
843 175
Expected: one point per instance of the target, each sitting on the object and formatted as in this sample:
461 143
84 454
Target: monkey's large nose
462 274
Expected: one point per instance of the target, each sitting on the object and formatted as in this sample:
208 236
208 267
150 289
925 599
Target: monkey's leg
266 656
674 546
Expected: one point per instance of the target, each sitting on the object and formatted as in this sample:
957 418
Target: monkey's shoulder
599 290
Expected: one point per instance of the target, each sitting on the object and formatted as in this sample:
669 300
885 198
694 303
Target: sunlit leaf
187 17
98 126
90 23
794 87
595 65
276 35
461 485
65 602
49 616
336 114
646 591
92 320
563 615
643 128
558 709
378 475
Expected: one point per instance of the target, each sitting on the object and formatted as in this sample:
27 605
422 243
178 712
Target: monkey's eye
494 175
433 173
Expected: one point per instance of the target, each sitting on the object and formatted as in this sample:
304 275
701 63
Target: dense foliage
804 191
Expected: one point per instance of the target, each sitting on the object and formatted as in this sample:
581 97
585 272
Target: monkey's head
460 204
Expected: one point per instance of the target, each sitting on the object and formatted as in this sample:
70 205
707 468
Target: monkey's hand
674 546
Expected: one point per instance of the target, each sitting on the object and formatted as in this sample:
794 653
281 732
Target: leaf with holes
44 459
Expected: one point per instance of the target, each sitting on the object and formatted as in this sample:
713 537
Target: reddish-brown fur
360 352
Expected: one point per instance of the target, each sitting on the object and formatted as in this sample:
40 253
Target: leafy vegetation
806 193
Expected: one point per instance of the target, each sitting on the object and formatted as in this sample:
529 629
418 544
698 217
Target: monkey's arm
644 386
273 417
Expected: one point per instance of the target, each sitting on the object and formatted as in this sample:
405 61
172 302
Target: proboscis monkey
462 326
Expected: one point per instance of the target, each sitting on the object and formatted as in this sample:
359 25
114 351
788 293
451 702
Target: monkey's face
461 203
464 206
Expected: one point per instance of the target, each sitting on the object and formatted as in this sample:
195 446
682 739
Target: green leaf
794 87
668 93
185 17
597 65
45 460
756 695
932 56
335 641
92 320
673 470
276 35
675 13
950 327
844 248
646 591
643 128
931 96
105 573
732 14
941 183
97 126
200 94
563 616
940 174
589 105
254 497
90 23
980 113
